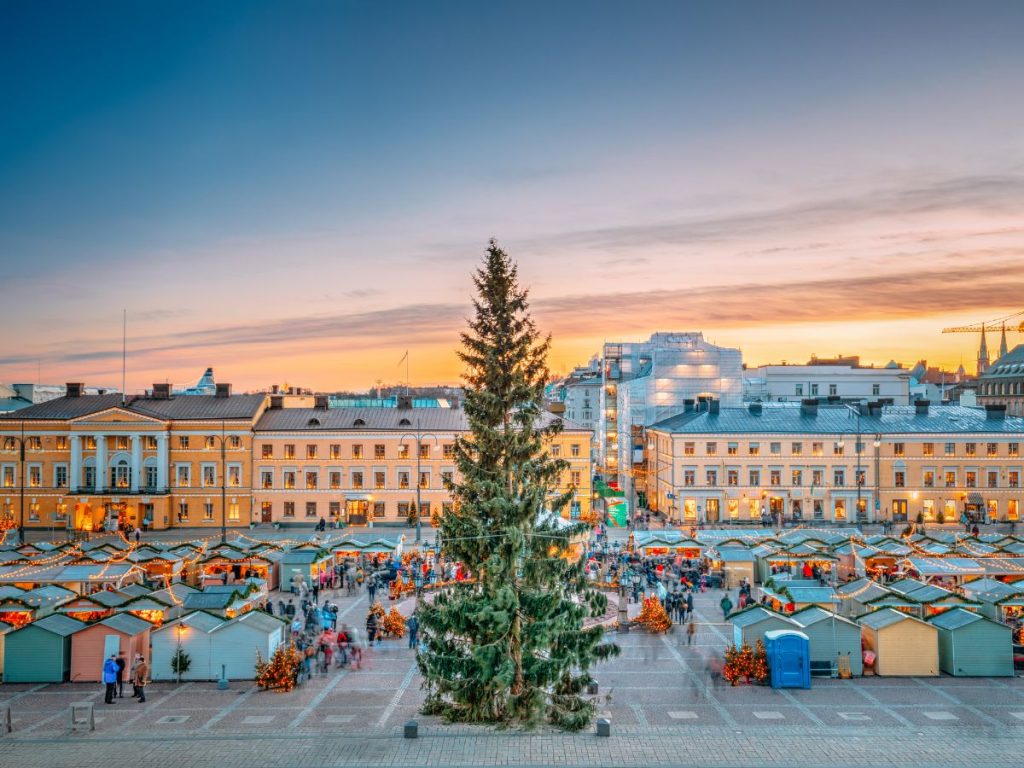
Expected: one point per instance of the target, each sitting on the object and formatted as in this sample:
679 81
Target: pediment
116 415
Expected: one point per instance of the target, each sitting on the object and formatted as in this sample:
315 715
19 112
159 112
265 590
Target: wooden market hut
737 563
945 570
91 646
903 645
213 642
4 629
223 603
793 563
191 633
988 592
40 652
854 596
306 563
173 595
85 609
972 646
34 604
158 567
750 624
831 636
134 590
237 566
148 608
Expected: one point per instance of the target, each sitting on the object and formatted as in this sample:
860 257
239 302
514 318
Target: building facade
1003 382
854 382
837 463
646 382
92 462
363 465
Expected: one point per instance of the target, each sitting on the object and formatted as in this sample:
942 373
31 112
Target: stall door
111 645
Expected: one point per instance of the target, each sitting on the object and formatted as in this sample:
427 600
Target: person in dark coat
122 663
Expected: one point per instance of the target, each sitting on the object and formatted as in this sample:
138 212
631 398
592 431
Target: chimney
161 391
863 410
688 405
320 402
921 407
875 408
713 406
809 407
75 388
404 402
277 402
223 390
995 411
275 388
755 409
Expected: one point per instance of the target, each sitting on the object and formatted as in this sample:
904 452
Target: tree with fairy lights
281 672
508 645
653 616
759 663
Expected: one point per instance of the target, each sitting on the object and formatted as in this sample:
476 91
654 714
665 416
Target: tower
1002 343
982 354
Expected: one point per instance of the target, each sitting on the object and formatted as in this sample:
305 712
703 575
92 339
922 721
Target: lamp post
223 482
419 435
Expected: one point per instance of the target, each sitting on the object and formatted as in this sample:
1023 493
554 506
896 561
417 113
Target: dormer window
358 423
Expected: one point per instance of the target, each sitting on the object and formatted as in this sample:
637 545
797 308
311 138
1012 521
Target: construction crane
999 324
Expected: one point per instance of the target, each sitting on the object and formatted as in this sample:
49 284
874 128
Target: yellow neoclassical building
837 463
91 462
367 464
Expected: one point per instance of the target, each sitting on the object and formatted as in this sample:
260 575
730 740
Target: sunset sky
298 192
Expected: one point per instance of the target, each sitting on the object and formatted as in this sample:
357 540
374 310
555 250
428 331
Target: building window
89 477
209 475
950 479
817 478
379 509
1013 478
446 508
838 449
711 449
120 443
182 442
233 512
234 442
689 449
928 480
775 477
1012 510
898 449
334 509
312 480
833 389
755 477
378 451
1013 450
927 449
211 442
61 511
798 390
182 511
425 479
556 451
60 476
861 477
817 449
403 479
814 390
151 477
951 449
61 443
755 449
234 476
425 509
208 510
403 510
267 478
992 479
574 450
840 509
992 449
268 451
267 510
775 449
289 509
357 479
310 509
334 478
403 451
876 389
970 449
733 477
448 451
447 478
900 479
289 451
183 474
357 451
424 450
797 449
378 480
310 451
733 449
149 442
289 478
335 451
839 478
712 477
971 479
798 478
689 477
574 478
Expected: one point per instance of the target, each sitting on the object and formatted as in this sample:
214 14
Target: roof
198 620
192 407
814 614
293 556
735 555
955 618
885 617
209 600
377 419
811 594
125 622
48 595
862 590
755 614
258 620
837 420
1010 365
109 598
58 624
991 590
946 566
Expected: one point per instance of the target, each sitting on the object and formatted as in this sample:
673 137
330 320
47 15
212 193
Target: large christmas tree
508 646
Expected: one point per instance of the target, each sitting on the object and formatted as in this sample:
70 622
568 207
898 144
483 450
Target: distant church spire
983 354
1002 343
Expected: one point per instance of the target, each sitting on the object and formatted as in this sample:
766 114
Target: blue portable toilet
789 658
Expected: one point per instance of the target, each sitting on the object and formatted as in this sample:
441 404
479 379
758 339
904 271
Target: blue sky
299 190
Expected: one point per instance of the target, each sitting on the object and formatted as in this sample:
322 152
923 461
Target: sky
299 192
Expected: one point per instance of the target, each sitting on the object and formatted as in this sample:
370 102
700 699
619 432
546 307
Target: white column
136 468
161 461
101 462
75 470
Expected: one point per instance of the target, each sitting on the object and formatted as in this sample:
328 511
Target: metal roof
946 566
836 420
125 622
191 407
871 590
110 599
258 620
815 614
735 555
199 620
955 618
58 624
199 601
387 419
812 594
885 617
755 614
1009 366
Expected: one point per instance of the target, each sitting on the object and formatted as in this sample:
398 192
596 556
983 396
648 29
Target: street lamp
419 438
223 482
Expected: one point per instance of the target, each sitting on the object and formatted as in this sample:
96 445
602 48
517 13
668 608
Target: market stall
902 645
972 646
831 637
92 645
750 624
214 643
40 652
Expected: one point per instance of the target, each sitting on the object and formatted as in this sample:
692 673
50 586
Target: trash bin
789 658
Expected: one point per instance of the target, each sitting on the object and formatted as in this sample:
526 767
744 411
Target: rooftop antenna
124 352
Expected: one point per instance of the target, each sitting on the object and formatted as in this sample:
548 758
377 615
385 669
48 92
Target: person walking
413 625
122 662
689 604
141 678
110 679
726 605
691 630
371 588
134 674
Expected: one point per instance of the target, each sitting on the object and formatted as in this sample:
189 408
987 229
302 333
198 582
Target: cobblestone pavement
665 704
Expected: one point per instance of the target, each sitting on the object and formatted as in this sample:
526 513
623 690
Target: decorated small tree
760 671
653 616
281 672
746 661
180 662
376 609
394 623
731 669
